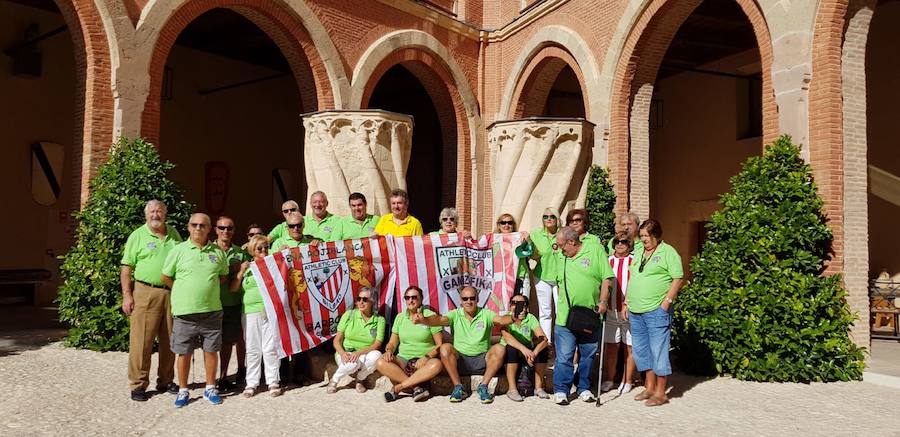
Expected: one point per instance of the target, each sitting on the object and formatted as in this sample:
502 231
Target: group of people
201 294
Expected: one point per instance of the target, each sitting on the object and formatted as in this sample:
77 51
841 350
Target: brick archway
633 81
539 76
93 106
433 65
276 21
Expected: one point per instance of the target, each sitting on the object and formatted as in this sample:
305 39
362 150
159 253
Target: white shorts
616 330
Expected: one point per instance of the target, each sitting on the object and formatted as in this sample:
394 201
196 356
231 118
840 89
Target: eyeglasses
262 248
296 226
285 211
362 299
469 298
253 234
198 225
549 217
448 219
506 223
225 228
577 220
625 242
411 297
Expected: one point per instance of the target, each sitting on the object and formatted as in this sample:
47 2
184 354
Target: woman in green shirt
258 332
411 357
656 277
357 343
526 344
544 241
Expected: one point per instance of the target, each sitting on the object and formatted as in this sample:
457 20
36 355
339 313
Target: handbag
582 321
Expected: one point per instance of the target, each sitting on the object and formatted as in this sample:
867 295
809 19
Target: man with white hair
321 224
629 223
280 230
146 300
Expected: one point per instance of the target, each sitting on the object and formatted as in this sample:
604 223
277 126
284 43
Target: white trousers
547 294
365 364
260 349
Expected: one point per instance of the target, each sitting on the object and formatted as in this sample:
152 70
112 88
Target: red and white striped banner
307 289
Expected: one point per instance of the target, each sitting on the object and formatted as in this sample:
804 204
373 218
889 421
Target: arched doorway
40 131
230 105
402 88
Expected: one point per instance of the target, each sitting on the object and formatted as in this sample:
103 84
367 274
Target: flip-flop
655 402
642 396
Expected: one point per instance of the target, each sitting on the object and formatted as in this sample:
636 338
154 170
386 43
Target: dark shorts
231 324
514 356
471 365
190 331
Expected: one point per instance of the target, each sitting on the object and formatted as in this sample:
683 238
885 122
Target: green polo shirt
546 268
359 333
581 276
252 296
280 230
146 253
523 332
471 337
415 340
351 229
647 289
589 239
234 256
636 247
196 273
289 242
329 229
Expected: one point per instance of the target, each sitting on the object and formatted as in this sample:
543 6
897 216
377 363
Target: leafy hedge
90 299
599 203
758 307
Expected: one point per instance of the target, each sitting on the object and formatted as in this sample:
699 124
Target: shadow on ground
26 327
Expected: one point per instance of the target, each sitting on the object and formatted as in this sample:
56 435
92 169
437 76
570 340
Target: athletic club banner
307 289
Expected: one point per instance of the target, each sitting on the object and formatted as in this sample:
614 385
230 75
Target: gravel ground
55 390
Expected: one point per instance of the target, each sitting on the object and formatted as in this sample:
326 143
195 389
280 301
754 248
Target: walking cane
602 345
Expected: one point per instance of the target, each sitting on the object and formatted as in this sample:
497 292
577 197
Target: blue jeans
564 370
650 335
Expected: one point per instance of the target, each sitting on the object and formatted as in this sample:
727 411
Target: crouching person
471 352
526 344
359 336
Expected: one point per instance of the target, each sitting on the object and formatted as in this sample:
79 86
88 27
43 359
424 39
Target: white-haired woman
449 222
546 254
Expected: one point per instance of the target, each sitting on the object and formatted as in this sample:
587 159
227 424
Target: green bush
758 307
600 202
90 298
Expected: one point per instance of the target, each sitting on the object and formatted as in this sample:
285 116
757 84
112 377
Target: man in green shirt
280 230
195 270
145 299
359 224
232 334
294 237
584 279
321 224
629 224
471 352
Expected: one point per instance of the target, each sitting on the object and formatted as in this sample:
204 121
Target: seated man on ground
471 352
526 344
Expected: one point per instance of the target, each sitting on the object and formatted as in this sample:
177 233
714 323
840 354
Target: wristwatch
670 300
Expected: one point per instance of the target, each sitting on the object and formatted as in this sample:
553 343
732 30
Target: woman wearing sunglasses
359 336
656 277
506 224
449 222
416 361
546 254
258 334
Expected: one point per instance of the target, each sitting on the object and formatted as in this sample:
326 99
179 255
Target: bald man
195 270
280 230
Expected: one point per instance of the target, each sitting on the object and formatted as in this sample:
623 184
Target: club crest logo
151 245
213 259
479 325
328 281
586 262
460 266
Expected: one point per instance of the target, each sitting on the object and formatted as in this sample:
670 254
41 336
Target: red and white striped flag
306 289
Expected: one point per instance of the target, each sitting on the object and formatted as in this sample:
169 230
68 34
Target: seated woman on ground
359 336
411 359
526 344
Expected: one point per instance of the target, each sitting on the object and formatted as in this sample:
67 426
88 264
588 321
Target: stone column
538 163
364 151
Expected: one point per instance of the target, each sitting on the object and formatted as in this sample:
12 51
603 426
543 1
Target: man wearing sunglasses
145 299
359 224
280 230
232 334
295 237
471 352
321 224
194 270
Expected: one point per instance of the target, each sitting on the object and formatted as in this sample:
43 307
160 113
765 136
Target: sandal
275 390
249 392
642 396
331 388
360 387
655 402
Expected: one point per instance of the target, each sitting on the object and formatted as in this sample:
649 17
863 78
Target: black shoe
171 389
225 385
139 395
241 376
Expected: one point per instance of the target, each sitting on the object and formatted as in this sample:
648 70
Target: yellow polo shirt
410 227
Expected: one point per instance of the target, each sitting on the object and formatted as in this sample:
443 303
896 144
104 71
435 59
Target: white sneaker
606 386
561 399
625 388
587 396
